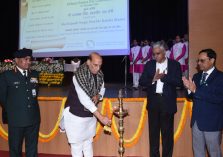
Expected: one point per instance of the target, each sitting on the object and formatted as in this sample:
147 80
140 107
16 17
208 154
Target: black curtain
158 19
149 19
9 14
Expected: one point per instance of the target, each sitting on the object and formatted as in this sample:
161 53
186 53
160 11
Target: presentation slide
57 28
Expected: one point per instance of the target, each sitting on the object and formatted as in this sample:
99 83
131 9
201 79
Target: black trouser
4 116
16 137
164 122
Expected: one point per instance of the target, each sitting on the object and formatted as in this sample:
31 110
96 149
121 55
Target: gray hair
159 44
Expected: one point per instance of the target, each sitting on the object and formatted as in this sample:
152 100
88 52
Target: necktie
25 73
203 78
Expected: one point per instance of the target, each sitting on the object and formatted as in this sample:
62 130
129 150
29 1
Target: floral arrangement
51 73
6 65
48 67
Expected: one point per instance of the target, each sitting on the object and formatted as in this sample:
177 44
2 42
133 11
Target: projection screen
59 28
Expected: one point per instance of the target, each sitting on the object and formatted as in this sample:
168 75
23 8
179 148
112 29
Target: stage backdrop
136 129
205 29
135 124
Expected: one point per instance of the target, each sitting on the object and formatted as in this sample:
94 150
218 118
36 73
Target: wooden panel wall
205 29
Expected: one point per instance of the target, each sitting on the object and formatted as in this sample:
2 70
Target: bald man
80 114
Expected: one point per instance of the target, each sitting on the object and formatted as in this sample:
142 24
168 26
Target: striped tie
203 78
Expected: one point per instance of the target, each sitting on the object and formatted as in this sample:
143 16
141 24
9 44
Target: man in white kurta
80 114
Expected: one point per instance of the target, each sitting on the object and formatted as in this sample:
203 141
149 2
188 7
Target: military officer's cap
23 53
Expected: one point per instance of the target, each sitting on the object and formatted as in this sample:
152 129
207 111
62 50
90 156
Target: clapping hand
189 84
158 75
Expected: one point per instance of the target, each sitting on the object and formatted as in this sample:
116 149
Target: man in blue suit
161 77
206 91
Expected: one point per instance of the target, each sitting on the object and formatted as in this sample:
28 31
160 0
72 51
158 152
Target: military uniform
18 97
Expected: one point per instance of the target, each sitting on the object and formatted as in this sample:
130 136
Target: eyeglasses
156 54
201 60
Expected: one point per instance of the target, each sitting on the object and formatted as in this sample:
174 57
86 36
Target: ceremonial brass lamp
120 112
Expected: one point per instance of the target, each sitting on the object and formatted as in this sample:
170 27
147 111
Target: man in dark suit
206 91
161 77
18 95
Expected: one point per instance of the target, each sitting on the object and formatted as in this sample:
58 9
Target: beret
21 53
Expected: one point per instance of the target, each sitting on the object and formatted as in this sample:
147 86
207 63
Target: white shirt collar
209 71
165 61
21 70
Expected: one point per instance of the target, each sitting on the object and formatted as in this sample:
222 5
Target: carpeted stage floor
6 154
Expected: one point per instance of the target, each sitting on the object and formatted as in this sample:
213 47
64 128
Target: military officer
18 96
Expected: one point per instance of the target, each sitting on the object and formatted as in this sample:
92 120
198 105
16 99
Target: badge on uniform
34 92
33 80
16 83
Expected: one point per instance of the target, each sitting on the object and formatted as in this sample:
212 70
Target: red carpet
6 154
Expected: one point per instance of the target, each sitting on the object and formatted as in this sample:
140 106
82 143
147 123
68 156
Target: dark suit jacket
18 96
171 80
208 102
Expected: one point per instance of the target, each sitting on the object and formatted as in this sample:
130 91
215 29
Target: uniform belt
159 94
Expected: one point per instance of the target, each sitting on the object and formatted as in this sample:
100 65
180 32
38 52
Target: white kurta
145 53
187 50
177 51
135 52
79 129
